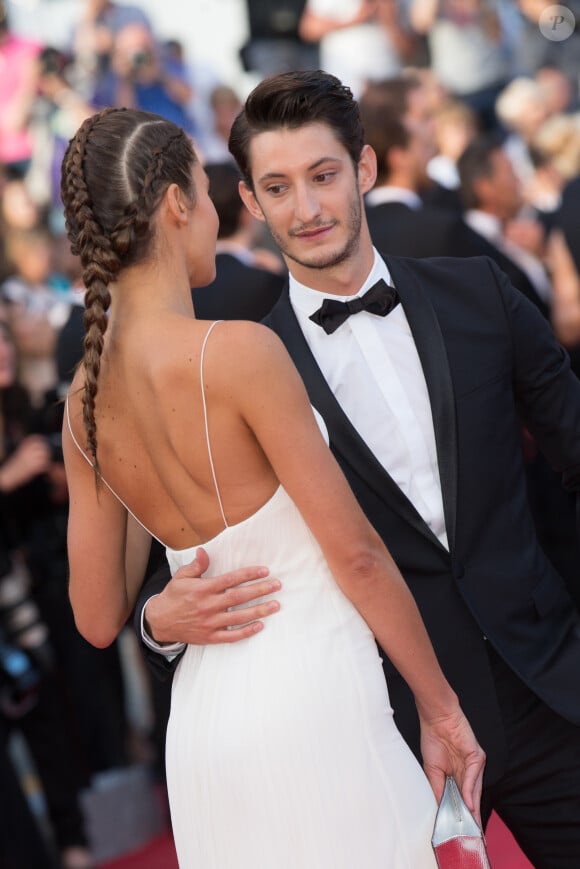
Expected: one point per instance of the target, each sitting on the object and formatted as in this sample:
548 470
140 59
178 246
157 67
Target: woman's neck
145 292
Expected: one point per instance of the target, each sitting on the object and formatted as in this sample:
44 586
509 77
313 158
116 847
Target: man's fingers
236 577
223 582
243 594
234 635
247 614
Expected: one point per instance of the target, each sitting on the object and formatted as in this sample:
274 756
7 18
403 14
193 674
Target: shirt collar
484 223
236 250
390 193
307 300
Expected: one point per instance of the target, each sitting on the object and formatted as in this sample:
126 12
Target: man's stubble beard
351 245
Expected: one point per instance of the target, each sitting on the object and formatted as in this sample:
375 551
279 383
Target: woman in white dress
282 751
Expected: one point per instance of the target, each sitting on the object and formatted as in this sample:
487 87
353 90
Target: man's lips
316 232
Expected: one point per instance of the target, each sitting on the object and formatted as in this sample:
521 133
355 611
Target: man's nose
306 204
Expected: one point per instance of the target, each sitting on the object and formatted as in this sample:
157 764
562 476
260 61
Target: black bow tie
379 300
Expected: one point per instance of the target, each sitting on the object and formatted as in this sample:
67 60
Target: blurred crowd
472 107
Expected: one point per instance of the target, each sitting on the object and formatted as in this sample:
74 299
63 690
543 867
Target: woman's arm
105 538
566 287
278 411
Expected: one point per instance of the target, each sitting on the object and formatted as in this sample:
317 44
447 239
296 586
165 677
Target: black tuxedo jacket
396 228
432 232
567 218
489 360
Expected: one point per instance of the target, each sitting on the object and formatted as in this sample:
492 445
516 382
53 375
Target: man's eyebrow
269 176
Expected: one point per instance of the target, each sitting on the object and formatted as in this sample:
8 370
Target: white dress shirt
373 368
390 193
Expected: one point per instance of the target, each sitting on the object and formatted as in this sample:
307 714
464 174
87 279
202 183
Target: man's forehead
291 148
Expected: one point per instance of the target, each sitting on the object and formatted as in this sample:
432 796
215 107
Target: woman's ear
250 201
176 204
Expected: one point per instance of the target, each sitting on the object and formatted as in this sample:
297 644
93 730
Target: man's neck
345 279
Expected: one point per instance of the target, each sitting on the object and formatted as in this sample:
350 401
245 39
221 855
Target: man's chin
322 260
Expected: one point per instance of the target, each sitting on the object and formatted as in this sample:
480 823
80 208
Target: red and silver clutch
457 839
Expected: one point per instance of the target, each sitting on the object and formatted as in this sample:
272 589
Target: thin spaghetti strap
111 490
211 464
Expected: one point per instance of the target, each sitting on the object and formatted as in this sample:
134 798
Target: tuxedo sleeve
546 390
161 665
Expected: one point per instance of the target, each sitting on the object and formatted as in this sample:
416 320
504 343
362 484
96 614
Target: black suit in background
444 198
568 218
518 277
499 616
240 291
400 230
69 346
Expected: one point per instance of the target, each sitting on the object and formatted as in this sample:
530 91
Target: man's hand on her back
198 611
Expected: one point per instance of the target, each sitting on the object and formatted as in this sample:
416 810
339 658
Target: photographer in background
93 35
31 697
139 77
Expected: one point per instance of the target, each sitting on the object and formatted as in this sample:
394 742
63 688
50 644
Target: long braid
100 265
115 231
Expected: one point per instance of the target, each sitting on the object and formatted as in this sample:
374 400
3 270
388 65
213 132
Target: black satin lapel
433 356
344 436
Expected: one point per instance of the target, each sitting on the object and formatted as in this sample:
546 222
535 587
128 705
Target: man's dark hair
476 162
389 94
291 100
223 189
383 132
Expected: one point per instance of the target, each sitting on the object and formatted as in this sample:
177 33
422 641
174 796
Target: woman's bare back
151 426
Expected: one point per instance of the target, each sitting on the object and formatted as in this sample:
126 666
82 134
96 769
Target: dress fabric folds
282 752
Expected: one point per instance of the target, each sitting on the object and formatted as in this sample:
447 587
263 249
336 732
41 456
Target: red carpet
160 854
503 851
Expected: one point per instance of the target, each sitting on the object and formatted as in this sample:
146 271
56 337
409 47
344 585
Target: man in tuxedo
399 221
422 371
492 196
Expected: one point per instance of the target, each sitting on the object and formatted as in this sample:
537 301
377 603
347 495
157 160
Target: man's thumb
196 567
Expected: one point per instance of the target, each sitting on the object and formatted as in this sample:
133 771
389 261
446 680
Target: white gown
282 752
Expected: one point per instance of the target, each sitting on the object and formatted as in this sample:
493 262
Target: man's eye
324 177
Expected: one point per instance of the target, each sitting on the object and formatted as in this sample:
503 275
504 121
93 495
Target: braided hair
114 174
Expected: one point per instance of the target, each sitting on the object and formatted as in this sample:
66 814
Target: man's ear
367 169
250 201
482 188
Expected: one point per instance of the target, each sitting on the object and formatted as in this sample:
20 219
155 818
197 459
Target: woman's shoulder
242 348
242 335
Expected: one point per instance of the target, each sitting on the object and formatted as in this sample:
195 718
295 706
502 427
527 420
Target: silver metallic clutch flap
457 839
